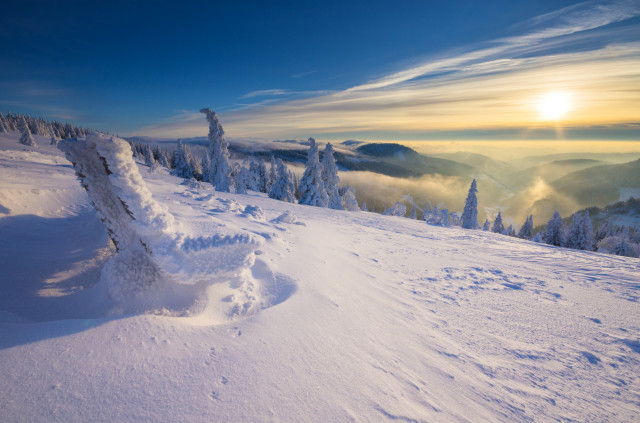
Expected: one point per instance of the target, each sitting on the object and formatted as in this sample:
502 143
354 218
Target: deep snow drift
338 316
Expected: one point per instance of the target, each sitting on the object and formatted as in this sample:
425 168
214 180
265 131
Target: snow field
340 316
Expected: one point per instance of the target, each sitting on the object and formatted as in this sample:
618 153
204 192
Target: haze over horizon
553 70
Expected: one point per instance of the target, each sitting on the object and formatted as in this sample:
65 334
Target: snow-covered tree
149 160
330 178
554 232
538 238
526 231
3 125
283 188
580 234
603 231
619 244
498 226
398 209
312 191
349 201
205 164
470 213
364 206
53 140
241 178
258 173
444 218
510 231
413 214
220 169
26 137
182 162
487 225
272 176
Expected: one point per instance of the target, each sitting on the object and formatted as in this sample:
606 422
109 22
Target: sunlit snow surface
341 317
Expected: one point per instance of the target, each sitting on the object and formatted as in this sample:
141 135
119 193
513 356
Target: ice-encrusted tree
241 178
364 206
413 215
554 232
182 162
330 177
205 163
349 201
538 238
526 232
487 225
312 191
470 213
3 125
220 169
53 140
149 160
604 230
498 226
273 173
510 231
258 172
580 234
26 138
398 209
283 188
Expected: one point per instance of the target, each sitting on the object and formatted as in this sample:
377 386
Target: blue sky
344 69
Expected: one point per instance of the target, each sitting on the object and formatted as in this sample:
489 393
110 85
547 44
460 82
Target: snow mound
152 252
290 218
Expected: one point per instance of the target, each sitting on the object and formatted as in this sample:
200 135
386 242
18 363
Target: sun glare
554 105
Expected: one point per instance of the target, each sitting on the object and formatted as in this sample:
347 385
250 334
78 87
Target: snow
336 316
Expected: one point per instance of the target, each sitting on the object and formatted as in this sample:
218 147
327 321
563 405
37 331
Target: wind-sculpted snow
152 254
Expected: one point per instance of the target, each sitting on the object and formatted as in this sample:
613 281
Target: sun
554 105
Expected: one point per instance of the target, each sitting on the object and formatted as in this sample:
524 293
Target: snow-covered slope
341 317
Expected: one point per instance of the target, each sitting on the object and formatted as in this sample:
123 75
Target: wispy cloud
491 86
303 74
265 93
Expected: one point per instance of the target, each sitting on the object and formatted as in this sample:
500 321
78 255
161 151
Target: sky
334 70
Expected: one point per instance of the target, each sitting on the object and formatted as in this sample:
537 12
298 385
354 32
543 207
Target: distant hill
402 157
550 172
600 185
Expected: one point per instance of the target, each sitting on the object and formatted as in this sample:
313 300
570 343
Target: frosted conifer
554 233
487 225
330 178
283 188
526 232
312 192
398 209
205 163
148 157
182 162
580 234
26 138
220 168
498 226
241 178
349 201
272 176
470 213
413 215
